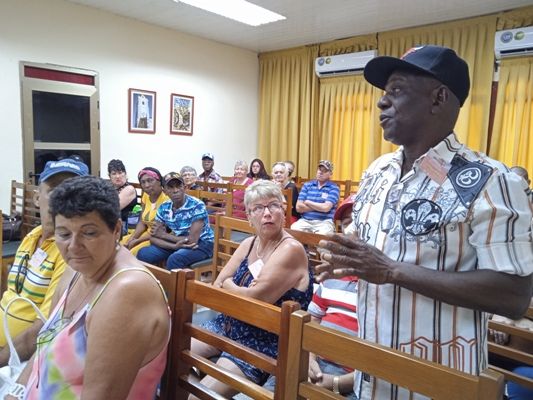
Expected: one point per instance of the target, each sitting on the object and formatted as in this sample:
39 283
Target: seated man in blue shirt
181 233
317 202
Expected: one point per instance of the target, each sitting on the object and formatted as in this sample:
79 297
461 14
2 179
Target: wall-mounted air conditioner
343 64
513 42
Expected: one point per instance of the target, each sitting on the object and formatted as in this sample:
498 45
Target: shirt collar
445 150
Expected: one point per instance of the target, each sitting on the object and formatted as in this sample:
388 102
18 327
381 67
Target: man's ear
440 97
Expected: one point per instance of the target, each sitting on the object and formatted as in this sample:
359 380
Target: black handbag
11 227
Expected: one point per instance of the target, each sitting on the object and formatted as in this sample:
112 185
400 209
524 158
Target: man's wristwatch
17 390
335 388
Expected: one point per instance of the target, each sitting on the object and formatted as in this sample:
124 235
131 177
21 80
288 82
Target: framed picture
141 111
181 114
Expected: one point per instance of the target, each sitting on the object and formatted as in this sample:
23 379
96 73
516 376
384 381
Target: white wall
128 53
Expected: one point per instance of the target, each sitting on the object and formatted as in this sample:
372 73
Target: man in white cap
443 232
209 174
317 202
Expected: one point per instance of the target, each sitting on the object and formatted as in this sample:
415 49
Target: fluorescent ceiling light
238 10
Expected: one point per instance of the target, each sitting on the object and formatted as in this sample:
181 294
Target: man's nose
383 102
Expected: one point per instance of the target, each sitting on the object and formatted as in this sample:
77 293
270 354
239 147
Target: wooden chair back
518 351
217 203
254 312
16 198
169 281
425 377
138 191
31 216
220 187
345 187
226 241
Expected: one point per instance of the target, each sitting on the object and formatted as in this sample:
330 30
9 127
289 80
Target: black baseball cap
439 62
172 176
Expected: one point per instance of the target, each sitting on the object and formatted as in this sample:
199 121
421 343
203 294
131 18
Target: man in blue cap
443 232
37 267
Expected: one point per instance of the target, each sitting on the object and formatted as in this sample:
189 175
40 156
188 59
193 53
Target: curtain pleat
512 143
287 107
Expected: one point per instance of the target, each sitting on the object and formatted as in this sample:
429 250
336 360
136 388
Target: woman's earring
117 245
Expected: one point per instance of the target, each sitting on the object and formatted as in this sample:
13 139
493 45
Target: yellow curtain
512 142
515 18
287 107
473 39
347 108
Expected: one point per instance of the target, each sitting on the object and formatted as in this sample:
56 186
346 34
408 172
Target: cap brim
173 179
378 70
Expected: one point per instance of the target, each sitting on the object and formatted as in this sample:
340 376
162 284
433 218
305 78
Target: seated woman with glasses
153 196
271 266
107 336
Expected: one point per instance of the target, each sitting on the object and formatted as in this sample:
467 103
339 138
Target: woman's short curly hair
115 166
262 190
78 196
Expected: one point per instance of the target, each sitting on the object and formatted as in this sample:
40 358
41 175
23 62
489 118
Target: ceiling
308 21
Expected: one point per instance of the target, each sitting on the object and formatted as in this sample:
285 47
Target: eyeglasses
22 271
259 209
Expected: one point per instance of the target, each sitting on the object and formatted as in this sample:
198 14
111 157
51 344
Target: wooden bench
254 312
508 352
418 375
169 281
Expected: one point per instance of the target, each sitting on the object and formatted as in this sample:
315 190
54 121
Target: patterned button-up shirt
456 210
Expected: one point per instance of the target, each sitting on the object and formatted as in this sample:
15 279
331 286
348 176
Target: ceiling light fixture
238 10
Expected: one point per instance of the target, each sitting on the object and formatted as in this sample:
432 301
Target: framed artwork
181 114
141 111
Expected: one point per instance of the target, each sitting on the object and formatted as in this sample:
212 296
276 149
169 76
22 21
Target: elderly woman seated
280 174
107 336
190 178
153 196
239 178
272 267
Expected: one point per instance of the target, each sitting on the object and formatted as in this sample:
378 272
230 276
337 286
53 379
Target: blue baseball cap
65 165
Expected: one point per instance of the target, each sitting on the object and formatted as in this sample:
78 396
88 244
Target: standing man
209 174
190 238
37 267
317 202
444 233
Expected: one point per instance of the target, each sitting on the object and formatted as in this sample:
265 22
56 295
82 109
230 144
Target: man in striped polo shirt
443 232
37 268
317 202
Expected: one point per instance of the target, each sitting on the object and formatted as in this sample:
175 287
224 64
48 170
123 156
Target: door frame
63 80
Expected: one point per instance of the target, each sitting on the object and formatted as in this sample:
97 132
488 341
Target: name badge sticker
256 267
37 258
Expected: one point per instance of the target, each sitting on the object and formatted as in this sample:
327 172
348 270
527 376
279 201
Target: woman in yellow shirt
153 196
